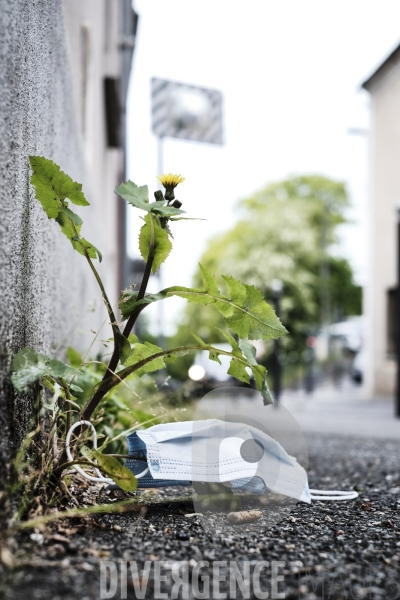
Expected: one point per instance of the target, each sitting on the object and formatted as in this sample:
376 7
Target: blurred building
64 70
100 36
384 88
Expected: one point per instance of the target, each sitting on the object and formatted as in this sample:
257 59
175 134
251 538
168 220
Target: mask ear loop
77 468
332 495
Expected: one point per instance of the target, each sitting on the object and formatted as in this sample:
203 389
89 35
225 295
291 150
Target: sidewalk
344 411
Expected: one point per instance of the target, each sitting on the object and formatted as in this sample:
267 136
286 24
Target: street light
276 288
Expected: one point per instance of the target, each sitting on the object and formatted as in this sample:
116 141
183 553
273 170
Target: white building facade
384 88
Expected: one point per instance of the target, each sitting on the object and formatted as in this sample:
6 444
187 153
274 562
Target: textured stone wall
41 277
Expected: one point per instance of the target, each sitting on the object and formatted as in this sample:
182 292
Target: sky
290 73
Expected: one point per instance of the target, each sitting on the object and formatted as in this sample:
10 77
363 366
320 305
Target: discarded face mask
216 451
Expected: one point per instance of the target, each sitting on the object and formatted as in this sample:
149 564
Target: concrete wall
384 88
44 284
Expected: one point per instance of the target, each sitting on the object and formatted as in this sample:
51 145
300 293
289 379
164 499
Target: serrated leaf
238 370
53 185
150 233
141 351
52 188
209 281
135 195
29 366
246 312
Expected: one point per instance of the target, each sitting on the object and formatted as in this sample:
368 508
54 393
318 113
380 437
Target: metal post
397 318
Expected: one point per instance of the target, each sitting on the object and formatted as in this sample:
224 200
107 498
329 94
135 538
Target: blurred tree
284 233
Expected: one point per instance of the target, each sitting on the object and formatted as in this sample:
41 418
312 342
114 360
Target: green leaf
29 366
170 358
80 243
210 283
245 310
158 208
214 355
122 476
69 229
235 346
99 254
152 233
141 351
73 216
238 369
259 373
198 340
52 188
75 388
136 195
248 351
53 185
124 347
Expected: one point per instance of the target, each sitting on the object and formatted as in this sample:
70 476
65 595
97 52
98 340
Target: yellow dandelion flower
170 181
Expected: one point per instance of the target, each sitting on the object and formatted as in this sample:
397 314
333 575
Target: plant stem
106 386
99 395
112 365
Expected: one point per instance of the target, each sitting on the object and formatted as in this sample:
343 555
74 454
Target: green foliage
122 476
53 187
138 196
244 309
77 389
280 235
141 351
30 366
153 235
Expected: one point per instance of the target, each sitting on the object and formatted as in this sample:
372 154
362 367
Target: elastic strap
332 495
77 468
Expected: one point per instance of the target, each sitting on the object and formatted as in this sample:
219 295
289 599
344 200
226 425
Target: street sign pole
187 112
160 168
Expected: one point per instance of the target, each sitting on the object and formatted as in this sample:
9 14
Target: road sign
187 112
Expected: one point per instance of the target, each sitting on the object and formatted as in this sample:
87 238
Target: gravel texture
327 550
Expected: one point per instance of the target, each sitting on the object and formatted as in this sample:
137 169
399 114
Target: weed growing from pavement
41 469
